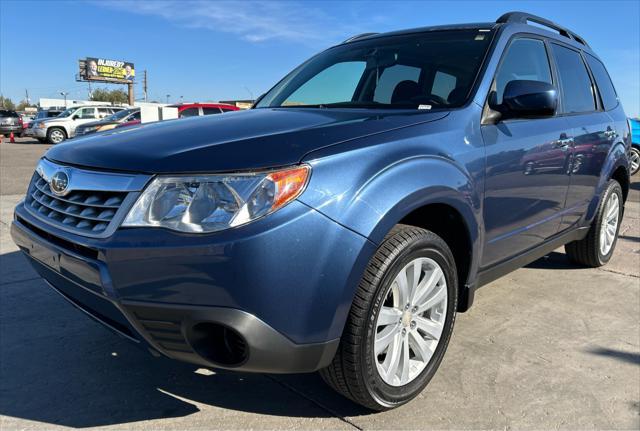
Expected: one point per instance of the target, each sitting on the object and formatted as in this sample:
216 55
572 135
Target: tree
111 96
23 104
6 103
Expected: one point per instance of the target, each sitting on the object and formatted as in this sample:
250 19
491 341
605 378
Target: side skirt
487 275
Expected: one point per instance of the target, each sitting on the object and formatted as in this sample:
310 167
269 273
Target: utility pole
130 88
144 85
26 94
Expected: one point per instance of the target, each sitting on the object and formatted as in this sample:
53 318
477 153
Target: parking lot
551 345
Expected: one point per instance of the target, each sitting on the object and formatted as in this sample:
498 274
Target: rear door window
526 59
605 86
576 89
209 111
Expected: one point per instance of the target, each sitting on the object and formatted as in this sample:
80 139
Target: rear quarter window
603 81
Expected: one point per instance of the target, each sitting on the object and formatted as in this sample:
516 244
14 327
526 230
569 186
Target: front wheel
55 135
597 247
400 321
634 160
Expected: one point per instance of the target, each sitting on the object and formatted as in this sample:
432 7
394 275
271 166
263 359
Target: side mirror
528 99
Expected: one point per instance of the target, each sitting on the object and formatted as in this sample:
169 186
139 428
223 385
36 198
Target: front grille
87 212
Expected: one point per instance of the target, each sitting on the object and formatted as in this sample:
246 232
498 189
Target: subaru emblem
59 183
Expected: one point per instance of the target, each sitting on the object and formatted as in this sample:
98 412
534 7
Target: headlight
209 203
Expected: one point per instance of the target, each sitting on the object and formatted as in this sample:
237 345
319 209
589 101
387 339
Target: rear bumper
5 130
169 305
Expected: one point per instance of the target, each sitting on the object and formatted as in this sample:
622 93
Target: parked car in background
10 122
634 153
40 115
190 110
26 120
198 109
109 122
48 113
57 129
340 224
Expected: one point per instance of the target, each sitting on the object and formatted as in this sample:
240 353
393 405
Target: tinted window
5 113
386 72
526 59
134 116
390 79
334 84
209 111
190 112
443 84
575 85
607 92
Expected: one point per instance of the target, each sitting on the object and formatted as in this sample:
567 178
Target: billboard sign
102 69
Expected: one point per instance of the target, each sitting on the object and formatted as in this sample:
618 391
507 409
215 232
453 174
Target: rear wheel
400 321
634 160
55 135
597 247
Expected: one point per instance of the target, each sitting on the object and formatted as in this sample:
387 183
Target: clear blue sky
228 50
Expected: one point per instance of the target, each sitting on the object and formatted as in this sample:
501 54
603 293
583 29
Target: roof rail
358 36
525 18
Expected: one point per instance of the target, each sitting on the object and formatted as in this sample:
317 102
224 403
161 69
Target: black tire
52 134
634 158
353 372
587 251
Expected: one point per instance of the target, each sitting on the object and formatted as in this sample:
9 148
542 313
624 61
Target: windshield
427 70
67 112
119 115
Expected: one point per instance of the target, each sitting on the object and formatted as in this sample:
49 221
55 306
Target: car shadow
554 260
59 367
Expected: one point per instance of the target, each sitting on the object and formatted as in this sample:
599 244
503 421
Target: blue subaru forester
341 223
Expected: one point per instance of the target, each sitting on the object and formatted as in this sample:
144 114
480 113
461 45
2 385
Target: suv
341 223
57 129
10 122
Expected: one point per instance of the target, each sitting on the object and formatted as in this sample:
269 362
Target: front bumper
278 290
38 132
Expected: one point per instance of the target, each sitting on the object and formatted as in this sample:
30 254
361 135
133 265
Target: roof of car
203 105
552 29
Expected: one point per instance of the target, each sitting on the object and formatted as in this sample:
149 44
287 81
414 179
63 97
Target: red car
197 109
193 110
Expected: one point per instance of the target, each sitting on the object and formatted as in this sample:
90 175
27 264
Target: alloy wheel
609 225
410 322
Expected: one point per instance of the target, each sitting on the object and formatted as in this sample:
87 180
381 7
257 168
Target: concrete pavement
548 346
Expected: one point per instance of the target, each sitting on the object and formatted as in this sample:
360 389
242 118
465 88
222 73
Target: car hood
234 141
